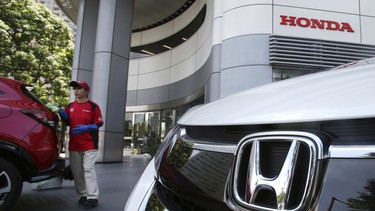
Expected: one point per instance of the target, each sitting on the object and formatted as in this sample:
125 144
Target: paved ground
116 181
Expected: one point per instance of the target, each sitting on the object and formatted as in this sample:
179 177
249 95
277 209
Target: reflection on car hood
335 94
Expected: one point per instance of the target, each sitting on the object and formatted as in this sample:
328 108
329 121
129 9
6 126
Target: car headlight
167 145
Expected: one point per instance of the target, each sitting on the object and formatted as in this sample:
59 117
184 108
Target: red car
29 146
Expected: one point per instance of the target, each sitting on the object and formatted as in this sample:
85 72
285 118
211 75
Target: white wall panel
132 82
367 7
217 35
217 22
185 50
316 33
204 33
133 66
185 18
344 6
206 28
155 63
203 53
368 30
154 79
183 70
229 5
217 6
244 77
157 33
136 39
247 20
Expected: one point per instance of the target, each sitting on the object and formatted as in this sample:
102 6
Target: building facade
55 9
212 49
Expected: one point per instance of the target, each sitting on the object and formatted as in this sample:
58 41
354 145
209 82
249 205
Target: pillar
108 77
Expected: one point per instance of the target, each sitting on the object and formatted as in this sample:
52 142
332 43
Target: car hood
335 94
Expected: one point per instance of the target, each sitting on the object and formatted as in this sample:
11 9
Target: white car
306 143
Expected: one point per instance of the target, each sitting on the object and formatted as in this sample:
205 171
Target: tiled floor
116 181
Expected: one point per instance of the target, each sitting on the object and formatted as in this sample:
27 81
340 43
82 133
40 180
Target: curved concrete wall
230 52
176 73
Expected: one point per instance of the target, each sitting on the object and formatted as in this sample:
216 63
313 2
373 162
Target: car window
27 90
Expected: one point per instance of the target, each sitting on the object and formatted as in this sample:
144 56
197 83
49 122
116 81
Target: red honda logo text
315 23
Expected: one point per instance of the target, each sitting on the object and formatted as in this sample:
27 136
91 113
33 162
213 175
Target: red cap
82 84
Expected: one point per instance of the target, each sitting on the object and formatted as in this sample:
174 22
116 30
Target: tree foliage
36 47
366 198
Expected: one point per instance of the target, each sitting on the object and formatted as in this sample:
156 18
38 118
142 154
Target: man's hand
53 107
84 128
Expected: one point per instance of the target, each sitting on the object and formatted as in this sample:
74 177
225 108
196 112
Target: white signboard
316 24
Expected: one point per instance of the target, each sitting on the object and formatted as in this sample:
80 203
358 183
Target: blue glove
84 128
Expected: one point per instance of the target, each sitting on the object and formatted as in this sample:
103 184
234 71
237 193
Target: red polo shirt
85 113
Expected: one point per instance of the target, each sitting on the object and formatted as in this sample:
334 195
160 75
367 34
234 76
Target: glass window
146 130
168 120
285 73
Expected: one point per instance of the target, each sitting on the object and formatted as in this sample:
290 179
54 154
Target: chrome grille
275 171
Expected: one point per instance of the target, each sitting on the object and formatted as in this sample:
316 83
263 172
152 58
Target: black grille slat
345 130
273 156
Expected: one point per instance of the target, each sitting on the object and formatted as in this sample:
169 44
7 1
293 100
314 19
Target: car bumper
55 170
143 190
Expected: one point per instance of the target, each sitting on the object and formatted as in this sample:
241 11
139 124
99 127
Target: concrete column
110 74
85 41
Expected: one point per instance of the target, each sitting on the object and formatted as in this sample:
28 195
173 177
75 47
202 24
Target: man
84 118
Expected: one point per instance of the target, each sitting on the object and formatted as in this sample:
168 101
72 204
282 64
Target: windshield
27 90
